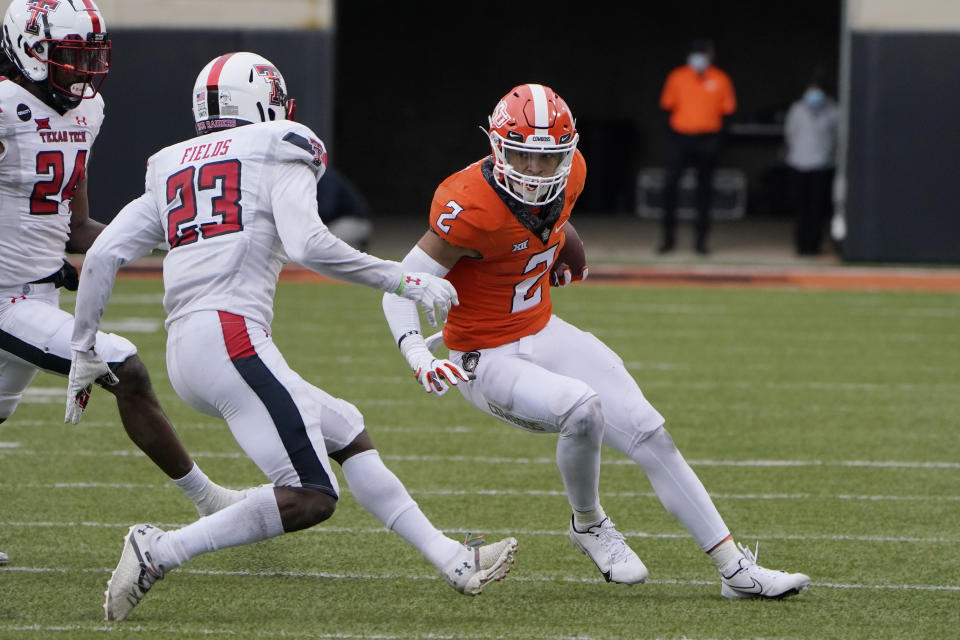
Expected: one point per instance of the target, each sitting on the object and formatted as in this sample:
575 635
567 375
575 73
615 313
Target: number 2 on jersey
225 211
51 163
529 292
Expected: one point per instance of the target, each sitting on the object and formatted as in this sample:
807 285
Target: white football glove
436 375
434 295
86 367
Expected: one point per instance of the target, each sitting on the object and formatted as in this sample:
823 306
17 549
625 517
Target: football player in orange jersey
496 228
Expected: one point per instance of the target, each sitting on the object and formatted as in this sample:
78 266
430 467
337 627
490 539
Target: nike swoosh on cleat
755 588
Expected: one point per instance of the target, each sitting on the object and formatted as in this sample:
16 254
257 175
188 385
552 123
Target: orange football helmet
534 136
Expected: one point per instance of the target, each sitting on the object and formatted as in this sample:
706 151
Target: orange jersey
504 295
697 103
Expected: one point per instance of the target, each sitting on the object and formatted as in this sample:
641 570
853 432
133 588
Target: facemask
699 61
814 97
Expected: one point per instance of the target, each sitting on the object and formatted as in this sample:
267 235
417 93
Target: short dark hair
7 67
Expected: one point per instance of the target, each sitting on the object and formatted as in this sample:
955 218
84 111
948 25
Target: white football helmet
61 45
534 138
239 88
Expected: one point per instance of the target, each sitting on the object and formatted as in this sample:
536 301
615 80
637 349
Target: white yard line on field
321 529
515 492
420 576
903 464
181 630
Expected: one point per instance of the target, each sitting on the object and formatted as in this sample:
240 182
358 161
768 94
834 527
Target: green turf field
825 425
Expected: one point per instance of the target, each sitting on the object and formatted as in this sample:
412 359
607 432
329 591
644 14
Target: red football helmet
534 137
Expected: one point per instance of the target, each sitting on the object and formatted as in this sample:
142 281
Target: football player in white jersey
233 205
56 54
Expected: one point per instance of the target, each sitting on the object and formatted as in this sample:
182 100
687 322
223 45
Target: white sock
194 483
583 520
679 489
255 518
381 493
725 553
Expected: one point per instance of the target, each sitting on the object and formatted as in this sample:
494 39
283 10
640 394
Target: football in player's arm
497 232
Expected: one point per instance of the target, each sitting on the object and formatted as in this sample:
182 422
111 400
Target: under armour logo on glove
434 295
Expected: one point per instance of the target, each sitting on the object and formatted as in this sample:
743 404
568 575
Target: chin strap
60 101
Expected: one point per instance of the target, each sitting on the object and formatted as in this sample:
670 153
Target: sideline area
621 249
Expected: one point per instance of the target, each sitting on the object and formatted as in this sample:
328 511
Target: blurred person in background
698 96
496 229
56 55
233 204
810 133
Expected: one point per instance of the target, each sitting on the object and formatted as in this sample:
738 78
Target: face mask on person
699 61
814 97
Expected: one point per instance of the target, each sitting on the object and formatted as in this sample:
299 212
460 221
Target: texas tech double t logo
38 8
271 75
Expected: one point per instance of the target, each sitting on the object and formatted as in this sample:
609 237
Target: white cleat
744 578
135 573
4 558
478 564
608 549
217 498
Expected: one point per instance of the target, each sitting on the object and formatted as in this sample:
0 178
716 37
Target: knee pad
584 420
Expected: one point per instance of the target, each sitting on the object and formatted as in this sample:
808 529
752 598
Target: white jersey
232 207
44 160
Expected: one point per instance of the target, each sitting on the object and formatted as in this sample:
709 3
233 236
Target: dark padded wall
904 138
416 79
149 88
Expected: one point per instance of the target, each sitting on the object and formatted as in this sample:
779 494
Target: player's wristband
404 336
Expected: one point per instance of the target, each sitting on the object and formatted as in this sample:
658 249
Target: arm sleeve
134 233
307 240
402 315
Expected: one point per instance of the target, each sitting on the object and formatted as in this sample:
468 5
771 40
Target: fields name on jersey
204 151
63 136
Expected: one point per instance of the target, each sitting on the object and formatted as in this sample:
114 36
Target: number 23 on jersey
205 202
